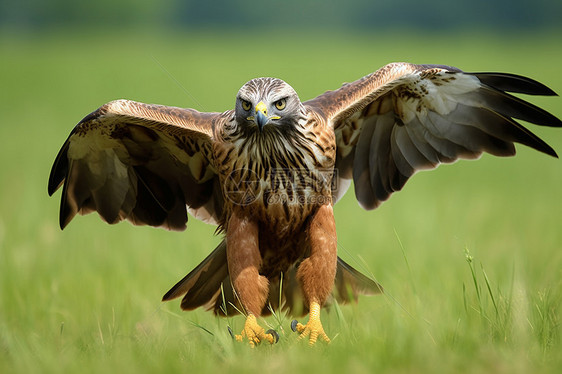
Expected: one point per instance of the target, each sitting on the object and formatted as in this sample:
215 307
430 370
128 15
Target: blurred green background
87 299
313 14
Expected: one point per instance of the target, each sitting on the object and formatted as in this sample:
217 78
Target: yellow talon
255 333
313 328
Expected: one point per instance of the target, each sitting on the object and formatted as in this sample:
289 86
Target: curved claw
274 334
294 324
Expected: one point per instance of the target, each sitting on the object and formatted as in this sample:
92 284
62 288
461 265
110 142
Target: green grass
88 299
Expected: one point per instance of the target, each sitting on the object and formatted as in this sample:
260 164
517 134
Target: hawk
268 173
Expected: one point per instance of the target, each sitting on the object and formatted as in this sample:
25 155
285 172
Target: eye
281 104
246 105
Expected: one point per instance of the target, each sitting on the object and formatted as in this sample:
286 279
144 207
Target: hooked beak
261 114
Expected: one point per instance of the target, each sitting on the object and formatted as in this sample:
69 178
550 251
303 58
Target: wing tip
52 187
514 83
543 148
67 212
63 222
551 152
59 170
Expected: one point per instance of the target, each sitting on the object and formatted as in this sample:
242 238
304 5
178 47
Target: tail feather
202 283
350 283
209 286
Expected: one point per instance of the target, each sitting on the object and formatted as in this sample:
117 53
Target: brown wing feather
144 163
404 118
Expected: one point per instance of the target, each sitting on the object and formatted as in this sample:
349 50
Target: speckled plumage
268 173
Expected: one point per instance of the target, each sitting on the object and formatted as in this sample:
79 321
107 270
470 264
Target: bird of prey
268 173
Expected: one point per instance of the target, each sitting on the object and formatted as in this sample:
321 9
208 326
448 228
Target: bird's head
268 101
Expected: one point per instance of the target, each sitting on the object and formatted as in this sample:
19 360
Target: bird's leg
316 273
244 261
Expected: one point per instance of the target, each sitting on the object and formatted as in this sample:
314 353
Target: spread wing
149 164
404 118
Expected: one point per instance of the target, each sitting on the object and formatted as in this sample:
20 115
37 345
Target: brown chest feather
277 177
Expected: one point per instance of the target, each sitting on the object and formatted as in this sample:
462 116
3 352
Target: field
469 254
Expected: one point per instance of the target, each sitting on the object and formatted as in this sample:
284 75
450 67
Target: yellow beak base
261 107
